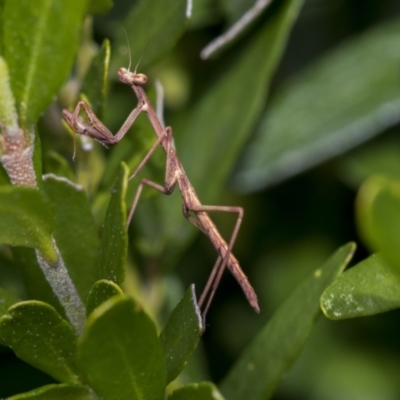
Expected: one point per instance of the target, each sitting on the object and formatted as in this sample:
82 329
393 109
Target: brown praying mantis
193 209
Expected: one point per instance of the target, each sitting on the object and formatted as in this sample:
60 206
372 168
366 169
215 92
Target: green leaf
64 391
40 60
197 391
114 240
6 301
2 27
100 292
370 287
343 99
4 178
375 158
153 28
121 354
261 366
39 336
378 217
57 165
242 88
100 6
8 112
182 333
26 219
94 86
239 88
75 231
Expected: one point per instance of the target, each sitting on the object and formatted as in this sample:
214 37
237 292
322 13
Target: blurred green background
294 220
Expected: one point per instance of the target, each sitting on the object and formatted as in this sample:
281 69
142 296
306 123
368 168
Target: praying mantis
193 209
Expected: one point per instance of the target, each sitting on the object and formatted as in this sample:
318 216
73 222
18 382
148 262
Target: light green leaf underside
370 287
343 99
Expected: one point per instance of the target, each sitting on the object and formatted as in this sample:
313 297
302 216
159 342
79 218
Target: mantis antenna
129 49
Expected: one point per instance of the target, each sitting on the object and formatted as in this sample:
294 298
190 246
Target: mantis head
131 78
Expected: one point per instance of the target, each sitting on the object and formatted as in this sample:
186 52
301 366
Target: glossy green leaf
259 369
100 6
94 86
182 333
64 391
378 217
197 391
39 336
114 239
40 60
121 354
75 231
370 287
345 98
26 219
100 292
216 125
6 300
153 28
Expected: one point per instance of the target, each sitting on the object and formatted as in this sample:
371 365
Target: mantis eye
140 79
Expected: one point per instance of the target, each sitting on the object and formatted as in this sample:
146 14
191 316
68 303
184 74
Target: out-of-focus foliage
301 109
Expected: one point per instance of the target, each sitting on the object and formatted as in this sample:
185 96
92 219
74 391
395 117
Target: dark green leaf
75 231
6 301
182 333
239 88
4 178
261 366
378 217
58 165
370 287
204 13
158 23
100 292
40 60
375 158
26 219
64 391
40 337
197 391
114 240
121 354
342 100
94 86
100 6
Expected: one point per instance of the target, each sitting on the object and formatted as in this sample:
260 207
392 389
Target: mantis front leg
94 128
